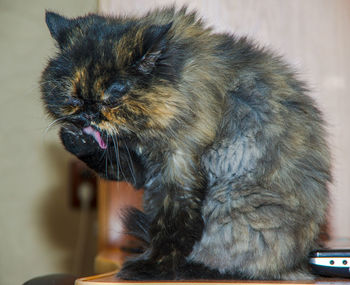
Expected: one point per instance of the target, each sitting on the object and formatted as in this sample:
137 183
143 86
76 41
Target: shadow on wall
60 222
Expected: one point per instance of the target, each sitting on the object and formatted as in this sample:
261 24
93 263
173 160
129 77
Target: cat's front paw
76 141
145 270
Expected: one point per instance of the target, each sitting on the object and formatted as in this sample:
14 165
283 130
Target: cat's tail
136 223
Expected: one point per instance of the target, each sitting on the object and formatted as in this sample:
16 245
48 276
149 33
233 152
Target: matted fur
220 133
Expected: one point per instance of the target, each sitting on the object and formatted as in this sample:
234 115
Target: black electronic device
330 262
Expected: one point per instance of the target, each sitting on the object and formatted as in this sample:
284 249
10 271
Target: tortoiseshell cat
222 136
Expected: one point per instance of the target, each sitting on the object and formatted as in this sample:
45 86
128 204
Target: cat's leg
116 162
256 233
298 274
196 271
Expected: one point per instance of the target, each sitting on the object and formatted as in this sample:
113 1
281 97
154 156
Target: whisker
131 167
106 164
117 160
104 153
51 125
109 157
117 157
116 150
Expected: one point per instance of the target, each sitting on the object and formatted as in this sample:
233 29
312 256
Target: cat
221 134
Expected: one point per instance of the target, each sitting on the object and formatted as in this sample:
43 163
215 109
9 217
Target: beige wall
313 35
37 228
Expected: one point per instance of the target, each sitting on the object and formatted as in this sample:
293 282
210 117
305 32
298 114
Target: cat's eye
118 88
74 102
115 92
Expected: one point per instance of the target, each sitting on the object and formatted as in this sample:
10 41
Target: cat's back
269 122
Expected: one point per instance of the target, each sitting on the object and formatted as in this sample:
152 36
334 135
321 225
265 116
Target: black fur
136 224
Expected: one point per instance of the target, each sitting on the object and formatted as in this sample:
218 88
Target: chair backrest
113 243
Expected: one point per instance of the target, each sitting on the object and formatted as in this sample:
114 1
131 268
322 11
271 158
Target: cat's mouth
96 135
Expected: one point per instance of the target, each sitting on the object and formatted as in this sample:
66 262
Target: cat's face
111 75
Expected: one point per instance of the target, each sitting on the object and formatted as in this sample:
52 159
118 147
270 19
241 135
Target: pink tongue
97 136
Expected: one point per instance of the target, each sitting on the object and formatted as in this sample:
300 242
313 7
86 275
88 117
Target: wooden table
110 278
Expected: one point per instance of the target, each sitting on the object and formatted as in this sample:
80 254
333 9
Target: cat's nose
82 120
89 117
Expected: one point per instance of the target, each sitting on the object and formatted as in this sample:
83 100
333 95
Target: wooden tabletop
110 278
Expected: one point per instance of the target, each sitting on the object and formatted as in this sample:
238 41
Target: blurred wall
37 227
314 37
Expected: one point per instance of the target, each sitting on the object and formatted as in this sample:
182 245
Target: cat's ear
58 25
154 44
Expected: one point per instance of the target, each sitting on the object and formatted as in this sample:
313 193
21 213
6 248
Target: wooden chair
114 246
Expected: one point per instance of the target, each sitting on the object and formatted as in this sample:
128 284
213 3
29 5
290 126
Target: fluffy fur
220 133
